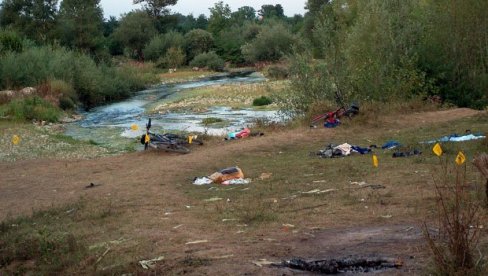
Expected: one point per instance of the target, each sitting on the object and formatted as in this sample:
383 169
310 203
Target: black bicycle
168 141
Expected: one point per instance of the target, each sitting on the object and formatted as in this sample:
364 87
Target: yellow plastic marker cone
147 139
134 127
190 139
15 139
460 158
375 161
437 149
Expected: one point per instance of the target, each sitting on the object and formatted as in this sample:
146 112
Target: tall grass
31 108
94 84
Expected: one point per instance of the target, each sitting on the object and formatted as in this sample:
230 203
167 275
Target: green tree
271 44
243 14
174 57
202 22
135 31
271 11
160 44
198 41
219 17
156 8
81 25
35 19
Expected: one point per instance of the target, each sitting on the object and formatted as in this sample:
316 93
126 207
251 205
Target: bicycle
331 119
168 141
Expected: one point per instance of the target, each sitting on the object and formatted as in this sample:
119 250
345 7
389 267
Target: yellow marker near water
147 139
134 127
375 161
15 139
460 158
190 139
437 149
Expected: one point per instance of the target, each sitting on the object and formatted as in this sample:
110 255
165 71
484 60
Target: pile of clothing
331 150
227 176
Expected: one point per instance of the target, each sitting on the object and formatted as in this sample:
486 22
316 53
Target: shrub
271 44
198 41
174 57
160 44
211 120
32 108
276 72
210 60
261 101
10 41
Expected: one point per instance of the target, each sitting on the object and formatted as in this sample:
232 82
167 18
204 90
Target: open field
144 206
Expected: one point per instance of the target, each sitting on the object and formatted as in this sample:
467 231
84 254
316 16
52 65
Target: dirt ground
140 185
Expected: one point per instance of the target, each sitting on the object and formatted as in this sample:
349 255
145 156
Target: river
110 125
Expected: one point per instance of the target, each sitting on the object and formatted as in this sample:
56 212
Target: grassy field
292 191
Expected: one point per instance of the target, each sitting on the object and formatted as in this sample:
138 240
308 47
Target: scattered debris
103 255
406 153
391 145
288 225
387 216
237 181
333 266
265 176
177 226
243 133
457 138
224 220
202 181
147 264
342 150
262 262
196 242
92 185
363 184
223 177
213 199
317 191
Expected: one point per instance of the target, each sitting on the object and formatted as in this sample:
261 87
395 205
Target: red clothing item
243 133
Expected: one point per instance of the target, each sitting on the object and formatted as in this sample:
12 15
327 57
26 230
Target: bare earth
140 186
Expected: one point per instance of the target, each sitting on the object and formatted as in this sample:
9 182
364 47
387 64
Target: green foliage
10 41
277 72
271 44
159 45
219 18
32 108
135 31
271 11
94 84
174 57
32 18
81 25
198 41
156 7
208 60
261 101
385 50
310 83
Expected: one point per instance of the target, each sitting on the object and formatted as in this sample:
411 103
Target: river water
110 125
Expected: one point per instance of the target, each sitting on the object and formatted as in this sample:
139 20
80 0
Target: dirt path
141 183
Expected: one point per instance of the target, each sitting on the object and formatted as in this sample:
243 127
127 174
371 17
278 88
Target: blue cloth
391 145
457 138
332 124
360 149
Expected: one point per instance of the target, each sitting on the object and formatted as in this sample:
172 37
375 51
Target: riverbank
142 206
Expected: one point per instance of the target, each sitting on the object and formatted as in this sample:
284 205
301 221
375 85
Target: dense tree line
393 50
369 50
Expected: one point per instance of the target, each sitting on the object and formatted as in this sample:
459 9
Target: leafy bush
271 44
174 57
277 72
198 41
263 100
32 108
94 84
160 44
10 41
210 60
